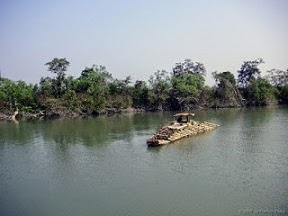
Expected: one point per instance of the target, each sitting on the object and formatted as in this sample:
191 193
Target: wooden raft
178 131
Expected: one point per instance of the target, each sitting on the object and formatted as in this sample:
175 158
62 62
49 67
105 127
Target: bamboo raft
184 126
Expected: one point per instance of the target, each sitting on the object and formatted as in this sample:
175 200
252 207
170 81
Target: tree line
95 90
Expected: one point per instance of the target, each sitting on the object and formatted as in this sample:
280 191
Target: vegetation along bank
95 91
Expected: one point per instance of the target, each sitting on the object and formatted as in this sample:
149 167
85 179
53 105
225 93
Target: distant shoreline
72 114
62 114
96 92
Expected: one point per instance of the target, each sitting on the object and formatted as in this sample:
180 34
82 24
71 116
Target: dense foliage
226 94
95 90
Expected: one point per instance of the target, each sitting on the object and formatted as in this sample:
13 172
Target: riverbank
60 113
64 113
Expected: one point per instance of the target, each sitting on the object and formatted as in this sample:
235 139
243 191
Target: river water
102 166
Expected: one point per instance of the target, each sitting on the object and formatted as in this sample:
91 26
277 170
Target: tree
223 77
186 89
161 85
17 94
140 94
120 93
93 82
284 95
189 67
59 67
119 86
187 83
277 77
248 72
7 93
26 96
260 92
45 87
226 91
94 79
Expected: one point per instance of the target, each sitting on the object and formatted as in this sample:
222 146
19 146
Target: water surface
101 166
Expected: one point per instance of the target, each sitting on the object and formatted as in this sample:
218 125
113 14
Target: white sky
137 38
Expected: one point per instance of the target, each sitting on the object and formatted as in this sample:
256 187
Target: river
102 166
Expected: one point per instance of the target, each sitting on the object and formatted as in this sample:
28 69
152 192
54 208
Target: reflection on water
90 132
102 166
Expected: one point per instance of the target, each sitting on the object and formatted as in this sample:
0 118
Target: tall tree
189 67
187 83
249 71
59 67
186 89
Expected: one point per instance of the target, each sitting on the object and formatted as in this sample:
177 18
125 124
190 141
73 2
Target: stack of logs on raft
177 130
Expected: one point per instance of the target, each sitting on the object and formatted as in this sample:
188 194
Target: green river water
102 166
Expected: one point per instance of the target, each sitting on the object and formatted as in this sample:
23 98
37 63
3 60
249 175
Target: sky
138 38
